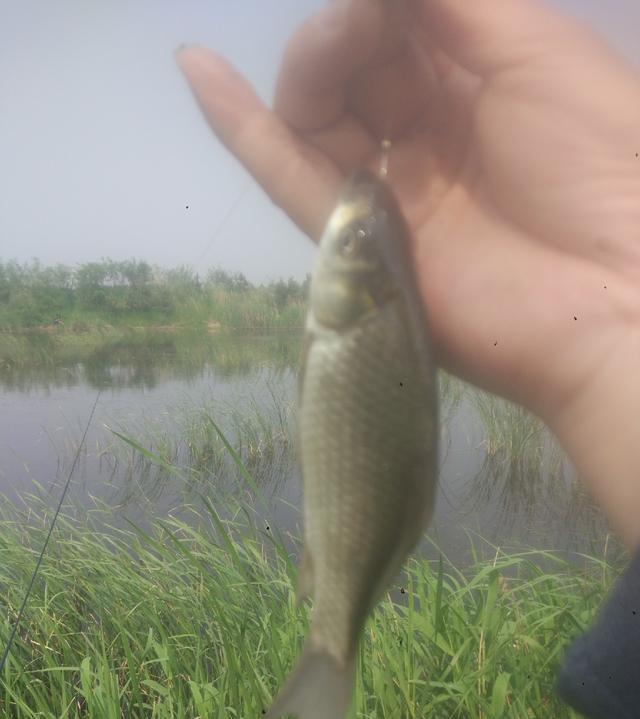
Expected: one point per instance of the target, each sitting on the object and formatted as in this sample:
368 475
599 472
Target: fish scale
350 505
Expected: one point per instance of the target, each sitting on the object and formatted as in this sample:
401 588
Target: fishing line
223 221
385 147
46 541
383 172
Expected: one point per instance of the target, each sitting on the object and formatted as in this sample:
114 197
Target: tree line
33 294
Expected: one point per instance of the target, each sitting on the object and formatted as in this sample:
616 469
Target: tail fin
318 688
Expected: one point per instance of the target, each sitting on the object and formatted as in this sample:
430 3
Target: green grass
132 292
152 453
523 460
252 309
85 332
262 431
200 622
195 617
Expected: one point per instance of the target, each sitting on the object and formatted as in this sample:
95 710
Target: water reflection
522 461
145 359
502 473
527 479
188 456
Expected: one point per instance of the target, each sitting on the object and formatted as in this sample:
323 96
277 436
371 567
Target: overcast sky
102 147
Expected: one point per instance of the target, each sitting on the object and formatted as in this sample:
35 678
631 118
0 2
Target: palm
498 177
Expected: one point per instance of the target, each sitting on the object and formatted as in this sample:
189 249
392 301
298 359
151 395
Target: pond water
502 477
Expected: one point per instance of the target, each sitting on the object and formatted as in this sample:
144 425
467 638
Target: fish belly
367 430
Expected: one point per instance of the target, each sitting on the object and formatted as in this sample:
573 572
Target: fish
367 434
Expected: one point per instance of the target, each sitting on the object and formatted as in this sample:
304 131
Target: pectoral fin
305 577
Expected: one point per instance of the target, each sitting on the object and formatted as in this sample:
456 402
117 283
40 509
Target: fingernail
183 46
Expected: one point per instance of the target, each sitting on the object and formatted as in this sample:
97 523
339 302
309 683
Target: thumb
488 36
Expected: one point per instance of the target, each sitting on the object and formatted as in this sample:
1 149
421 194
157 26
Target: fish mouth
367 189
362 185
370 198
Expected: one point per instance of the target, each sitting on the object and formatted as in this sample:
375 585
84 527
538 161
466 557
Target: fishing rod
223 222
48 537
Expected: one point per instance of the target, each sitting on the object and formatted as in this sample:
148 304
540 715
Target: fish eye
347 242
350 241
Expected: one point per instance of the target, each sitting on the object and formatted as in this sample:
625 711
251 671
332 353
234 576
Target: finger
458 87
347 142
295 175
453 113
488 36
327 51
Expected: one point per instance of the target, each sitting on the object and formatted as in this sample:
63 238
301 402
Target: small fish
367 434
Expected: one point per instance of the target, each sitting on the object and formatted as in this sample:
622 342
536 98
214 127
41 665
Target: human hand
515 159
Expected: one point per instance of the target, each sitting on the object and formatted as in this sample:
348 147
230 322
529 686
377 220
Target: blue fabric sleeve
600 677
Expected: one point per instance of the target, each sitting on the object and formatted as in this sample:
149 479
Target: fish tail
319 688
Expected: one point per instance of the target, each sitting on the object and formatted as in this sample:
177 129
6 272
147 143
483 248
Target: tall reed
201 622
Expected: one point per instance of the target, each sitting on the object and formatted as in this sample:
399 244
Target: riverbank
132 294
199 619
53 345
